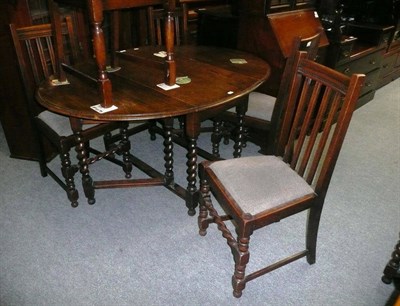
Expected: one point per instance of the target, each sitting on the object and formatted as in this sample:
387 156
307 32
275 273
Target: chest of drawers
366 61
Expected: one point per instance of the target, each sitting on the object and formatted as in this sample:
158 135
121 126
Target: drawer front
345 52
371 81
386 38
388 64
397 61
362 65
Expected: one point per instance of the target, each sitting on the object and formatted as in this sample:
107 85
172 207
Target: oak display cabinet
364 38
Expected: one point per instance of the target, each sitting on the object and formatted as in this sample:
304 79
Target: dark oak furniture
37 57
216 84
12 98
257 191
13 103
375 21
364 38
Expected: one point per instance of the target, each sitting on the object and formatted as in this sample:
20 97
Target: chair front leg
68 172
82 155
202 219
87 181
241 258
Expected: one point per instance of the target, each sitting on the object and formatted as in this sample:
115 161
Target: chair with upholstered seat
259 190
263 109
38 61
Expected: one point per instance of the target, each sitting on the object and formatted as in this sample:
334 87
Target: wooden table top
215 82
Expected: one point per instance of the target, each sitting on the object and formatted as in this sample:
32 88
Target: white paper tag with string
101 110
167 87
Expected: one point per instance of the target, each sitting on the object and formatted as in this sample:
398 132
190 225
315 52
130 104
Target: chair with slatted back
38 61
263 109
259 190
156 21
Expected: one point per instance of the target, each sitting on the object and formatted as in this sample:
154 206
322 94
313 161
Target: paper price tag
57 82
238 61
161 54
101 110
167 87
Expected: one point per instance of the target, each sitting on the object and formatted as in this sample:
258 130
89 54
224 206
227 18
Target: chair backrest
309 44
36 56
156 22
319 105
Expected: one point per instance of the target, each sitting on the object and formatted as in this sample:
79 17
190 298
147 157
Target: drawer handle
347 70
346 53
368 84
372 62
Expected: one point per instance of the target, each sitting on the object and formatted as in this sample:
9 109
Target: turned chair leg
125 148
68 172
87 181
216 137
241 258
204 197
168 152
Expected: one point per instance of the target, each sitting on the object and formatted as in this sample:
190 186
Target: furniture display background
362 36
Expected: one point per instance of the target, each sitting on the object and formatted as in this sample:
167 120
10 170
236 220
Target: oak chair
263 110
259 190
156 22
38 61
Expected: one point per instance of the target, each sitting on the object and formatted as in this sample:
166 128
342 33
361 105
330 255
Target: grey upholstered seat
260 183
260 106
59 123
